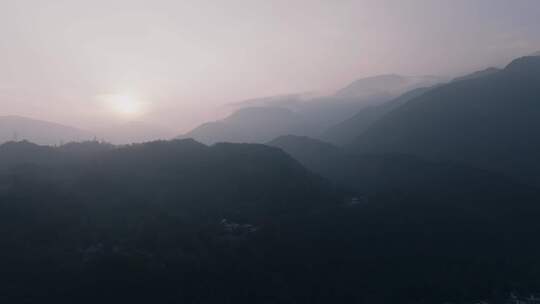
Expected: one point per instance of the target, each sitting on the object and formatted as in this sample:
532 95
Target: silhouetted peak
478 74
270 101
39 131
26 120
391 84
258 113
529 64
387 78
380 82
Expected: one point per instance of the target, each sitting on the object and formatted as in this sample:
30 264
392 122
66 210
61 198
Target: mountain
487 122
92 209
328 110
135 132
478 74
38 131
392 85
320 157
415 215
176 173
304 114
252 125
173 220
345 132
288 101
372 173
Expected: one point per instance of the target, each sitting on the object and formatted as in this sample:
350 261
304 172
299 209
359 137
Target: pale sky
85 63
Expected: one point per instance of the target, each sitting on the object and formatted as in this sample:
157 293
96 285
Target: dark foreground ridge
181 222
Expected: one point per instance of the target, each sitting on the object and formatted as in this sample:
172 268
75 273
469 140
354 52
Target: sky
93 64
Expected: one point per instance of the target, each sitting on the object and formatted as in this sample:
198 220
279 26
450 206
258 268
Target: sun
124 105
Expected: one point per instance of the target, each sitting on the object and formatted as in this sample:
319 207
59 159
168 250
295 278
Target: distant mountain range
489 121
370 174
392 85
478 74
16 128
345 132
40 132
305 114
253 125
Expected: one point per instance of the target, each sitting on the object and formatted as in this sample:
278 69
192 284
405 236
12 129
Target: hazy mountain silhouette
478 74
345 132
253 125
304 114
392 85
487 121
320 157
371 173
288 101
134 132
324 109
331 109
38 131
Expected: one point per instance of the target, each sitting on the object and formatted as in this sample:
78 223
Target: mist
184 62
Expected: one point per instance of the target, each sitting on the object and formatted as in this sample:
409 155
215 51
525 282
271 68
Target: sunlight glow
124 105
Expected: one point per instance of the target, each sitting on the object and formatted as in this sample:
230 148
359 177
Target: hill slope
252 125
348 130
262 119
372 173
391 84
172 220
243 179
41 132
488 121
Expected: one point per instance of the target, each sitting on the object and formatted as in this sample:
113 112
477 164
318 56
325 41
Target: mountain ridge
483 121
14 127
252 125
